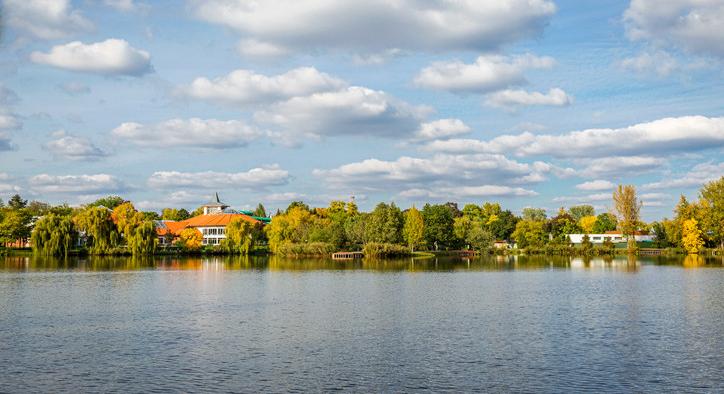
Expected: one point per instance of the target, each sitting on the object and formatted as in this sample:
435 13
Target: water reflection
275 263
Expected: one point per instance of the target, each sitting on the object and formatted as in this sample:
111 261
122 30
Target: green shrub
376 249
305 249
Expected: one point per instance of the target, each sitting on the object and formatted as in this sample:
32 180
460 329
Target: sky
530 103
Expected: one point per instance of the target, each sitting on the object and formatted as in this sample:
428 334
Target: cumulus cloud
509 98
595 197
487 74
258 49
71 147
8 121
405 24
441 129
696 177
467 192
690 25
194 132
125 5
622 165
76 184
439 171
658 62
110 57
245 87
686 133
598 184
45 19
254 178
351 111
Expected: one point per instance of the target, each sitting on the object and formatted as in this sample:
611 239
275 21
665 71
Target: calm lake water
249 325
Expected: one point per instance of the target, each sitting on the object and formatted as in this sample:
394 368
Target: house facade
211 224
613 236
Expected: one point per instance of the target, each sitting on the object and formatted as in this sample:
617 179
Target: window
596 238
222 231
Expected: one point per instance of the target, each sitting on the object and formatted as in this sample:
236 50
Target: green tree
586 245
604 222
384 224
479 238
354 228
239 237
142 238
97 225
38 208
661 240
439 223
503 226
260 211
16 202
628 207
534 214
175 214
561 226
579 211
15 225
529 233
53 235
109 202
713 194
414 228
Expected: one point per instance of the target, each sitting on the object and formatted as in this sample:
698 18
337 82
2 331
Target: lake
537 324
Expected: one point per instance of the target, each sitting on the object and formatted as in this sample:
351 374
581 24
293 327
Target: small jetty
651 252
347 255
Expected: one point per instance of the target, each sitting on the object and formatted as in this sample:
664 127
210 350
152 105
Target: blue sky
525 102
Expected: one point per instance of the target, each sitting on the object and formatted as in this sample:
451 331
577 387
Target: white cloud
80 184
71 147
8 97
244 87
372 26
253 179
514 97
45 19
595 197
194 132
623 165
598 184
284 197
125 5
488 73
659 62
351 111
691 25
110 57
8 121
696 177
75 88
467 192
682 134
437 171
258 49
441 129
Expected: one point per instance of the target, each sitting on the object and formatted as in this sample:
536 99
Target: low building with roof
613 236
211 224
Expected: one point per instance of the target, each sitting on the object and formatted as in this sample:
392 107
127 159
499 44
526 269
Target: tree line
113 224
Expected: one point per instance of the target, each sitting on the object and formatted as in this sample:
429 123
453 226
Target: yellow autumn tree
691 237
587 223
191 238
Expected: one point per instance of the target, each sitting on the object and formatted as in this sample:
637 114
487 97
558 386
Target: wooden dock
651 252
347 255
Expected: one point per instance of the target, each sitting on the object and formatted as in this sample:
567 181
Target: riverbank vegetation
112 225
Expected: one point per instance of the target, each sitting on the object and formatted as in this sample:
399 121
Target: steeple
215 206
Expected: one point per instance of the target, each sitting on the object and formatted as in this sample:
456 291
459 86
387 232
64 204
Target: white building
613 236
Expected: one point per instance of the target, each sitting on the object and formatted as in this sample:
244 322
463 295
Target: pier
347 255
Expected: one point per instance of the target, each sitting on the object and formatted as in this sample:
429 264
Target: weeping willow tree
240 235
142 239
98 226
53 235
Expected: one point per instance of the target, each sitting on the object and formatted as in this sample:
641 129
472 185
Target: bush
375 249
305 249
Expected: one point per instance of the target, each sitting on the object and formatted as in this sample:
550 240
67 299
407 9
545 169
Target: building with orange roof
211 224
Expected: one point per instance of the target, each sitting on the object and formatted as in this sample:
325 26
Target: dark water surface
250 325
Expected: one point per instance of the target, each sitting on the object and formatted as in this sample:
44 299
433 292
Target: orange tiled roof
213 220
